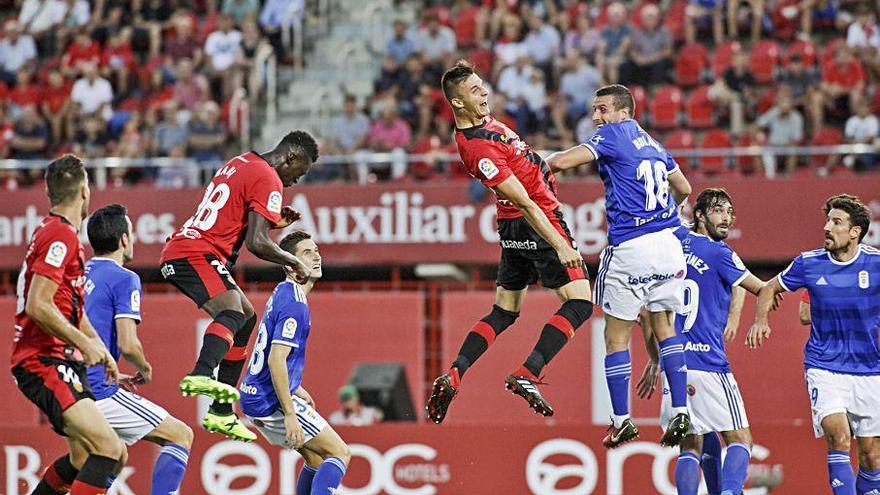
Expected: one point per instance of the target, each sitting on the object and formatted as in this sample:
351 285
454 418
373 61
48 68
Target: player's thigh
203 278
509 300
864 411
617 333
246 307
228 300
84 423
692 443
836 430
830 395
515 271
171 430
617 293
53 385
742 435
576 289
869 452
131 416
662 323
328 443
667 272
78 453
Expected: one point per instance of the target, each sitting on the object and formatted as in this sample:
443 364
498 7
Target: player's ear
457 103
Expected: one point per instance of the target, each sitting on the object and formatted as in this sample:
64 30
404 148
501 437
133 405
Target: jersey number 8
258 359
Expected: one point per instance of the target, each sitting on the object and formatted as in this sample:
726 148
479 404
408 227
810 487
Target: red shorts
53 384
199 277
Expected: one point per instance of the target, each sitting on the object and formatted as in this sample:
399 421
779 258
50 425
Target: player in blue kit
272 395
714 291
842 355
113 305
643 265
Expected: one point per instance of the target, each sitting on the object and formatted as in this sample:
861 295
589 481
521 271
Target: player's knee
576 311
870 459
343 452
181 434
231 319
500 319
838 440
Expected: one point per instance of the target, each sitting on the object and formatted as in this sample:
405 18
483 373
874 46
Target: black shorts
53 384
526 256
199 277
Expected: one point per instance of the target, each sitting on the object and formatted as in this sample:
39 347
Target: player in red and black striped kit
535 243
240 205
54 341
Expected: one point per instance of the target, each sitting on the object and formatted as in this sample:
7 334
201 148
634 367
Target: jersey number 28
206 215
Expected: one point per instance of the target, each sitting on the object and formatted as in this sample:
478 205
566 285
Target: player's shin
304 480
711 463
868 482
481 337
618 369
329 476
556 333
57 478
687 474
840 473
672 361
169 469
218 339
735 468
233 363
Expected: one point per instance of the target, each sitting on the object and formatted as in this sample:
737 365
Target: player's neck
114 256
71 213
845 255
464 121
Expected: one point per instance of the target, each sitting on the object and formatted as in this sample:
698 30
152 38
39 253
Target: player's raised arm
512 190
263 247
680 186
570 158
761 328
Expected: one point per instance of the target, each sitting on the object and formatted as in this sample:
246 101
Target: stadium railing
399 160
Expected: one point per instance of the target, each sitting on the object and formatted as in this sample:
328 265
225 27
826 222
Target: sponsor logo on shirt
274 203
654 277
864 279
487 168
248 389
289 329
738 262
56 253
692 390
511 244
135 300
697 347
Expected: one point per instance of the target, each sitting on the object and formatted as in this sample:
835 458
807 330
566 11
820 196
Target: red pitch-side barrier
412 223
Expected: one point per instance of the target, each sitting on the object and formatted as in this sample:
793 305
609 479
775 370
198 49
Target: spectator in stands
239 10
843 82
169 133
277 14
578 83
39 18
17 51
92 94
31 136
83 51
470 23
352 412
389 131
350 130
863 36
432 145
435 42
151 20
207 134
509 47
190 87
252 48
74 16
399 47
91 139
698 12
409 82
183 44
862 128
515 82
56 106
614 45
802 83
820 14
117 62
786 128
650 51
736 90
182 172
738 15
584 39
23 94
222 47
543 45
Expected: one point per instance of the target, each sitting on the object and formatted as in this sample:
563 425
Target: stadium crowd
146 78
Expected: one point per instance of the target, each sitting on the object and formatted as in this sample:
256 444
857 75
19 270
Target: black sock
57 478
234 361
557 332
481 336
214 348
97 470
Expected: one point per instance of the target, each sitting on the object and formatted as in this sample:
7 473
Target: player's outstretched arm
263 247
512 190
570 158
133 350
680 186
277 362
761 328
41 307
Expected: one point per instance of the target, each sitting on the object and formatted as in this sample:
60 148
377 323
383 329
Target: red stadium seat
666 108
827 136
724 56
681 139
746 164
715 165
699 110
675 19
763 60
640 98
767 99
805 48
690 64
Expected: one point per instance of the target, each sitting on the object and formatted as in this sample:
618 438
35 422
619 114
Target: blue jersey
286 321
844 308
713 269
634 168
112 292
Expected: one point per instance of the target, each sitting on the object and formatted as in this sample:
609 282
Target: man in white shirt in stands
92 93
353 413
862 128
222 47
16 50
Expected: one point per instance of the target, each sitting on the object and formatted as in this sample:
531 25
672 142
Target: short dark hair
292 239
300 141
454 76
64 177
859 215
622 98
708 198
105 228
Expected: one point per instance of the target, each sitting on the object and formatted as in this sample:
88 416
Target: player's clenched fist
570 257
288 216
757 334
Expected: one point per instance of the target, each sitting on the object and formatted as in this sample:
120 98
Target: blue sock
110 481
169 469
672 361
304 482
736 465
868 480
687 474
711 463
618 369
328 476
840 473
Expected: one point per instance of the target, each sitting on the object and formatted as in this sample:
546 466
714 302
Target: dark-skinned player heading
535 242
240 205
